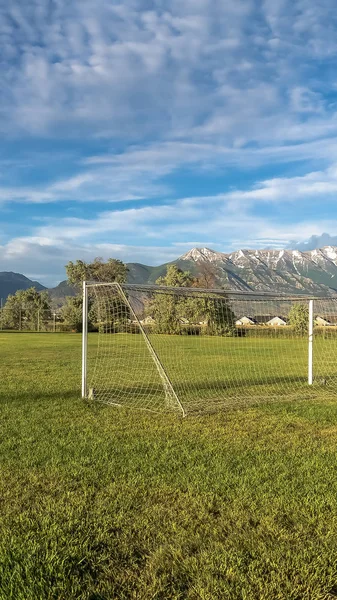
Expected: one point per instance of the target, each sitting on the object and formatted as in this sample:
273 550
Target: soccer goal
182 350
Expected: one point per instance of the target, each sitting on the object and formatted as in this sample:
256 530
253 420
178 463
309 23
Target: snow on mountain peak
201 254
330 252
272 259
323 254
278 270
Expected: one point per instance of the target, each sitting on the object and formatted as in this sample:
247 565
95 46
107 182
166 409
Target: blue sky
141 128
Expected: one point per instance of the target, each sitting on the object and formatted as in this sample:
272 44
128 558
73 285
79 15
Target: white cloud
147 88
131 69
289 189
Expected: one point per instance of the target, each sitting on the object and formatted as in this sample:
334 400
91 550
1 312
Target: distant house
183 321
148 321
245 321
276 322
322 322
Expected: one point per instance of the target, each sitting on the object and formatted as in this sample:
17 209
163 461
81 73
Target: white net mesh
185 349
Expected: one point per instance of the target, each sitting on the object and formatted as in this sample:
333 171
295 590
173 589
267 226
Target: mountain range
280 271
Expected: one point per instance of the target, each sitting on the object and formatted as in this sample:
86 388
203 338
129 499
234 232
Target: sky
138 129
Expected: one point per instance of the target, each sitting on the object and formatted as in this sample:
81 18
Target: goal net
187 349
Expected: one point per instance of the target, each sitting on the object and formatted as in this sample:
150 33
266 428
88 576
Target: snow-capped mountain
203 255
280 271
286 271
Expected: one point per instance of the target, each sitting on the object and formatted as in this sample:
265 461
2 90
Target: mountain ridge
10 282
284 271
281 271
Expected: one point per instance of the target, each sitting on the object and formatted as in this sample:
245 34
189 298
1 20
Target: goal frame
170 393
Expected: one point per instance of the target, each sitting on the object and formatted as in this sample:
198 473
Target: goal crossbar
194 290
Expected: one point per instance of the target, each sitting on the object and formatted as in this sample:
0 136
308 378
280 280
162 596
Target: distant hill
281 271
139 273
11 282
59 293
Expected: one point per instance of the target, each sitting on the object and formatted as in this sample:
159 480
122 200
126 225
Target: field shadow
219 393
36 395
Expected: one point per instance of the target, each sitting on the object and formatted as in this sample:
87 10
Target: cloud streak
142 173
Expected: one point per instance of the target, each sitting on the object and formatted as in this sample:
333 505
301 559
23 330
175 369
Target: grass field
98 503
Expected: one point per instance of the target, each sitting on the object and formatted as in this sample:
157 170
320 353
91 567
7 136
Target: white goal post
182 350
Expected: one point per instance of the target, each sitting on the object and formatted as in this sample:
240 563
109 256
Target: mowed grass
104 503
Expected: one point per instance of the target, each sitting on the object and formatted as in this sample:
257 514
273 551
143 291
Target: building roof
323 319
251 319
278 318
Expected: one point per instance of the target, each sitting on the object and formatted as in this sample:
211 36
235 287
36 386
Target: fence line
37 321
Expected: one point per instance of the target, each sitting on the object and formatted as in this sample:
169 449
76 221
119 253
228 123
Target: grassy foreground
98 503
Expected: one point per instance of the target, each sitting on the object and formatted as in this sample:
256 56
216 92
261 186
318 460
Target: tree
215 311
298 318
109 271
207 276
219 316
168 310
71 312
27 309
176 278
113 270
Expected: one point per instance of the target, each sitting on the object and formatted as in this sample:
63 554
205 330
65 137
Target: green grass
99 503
